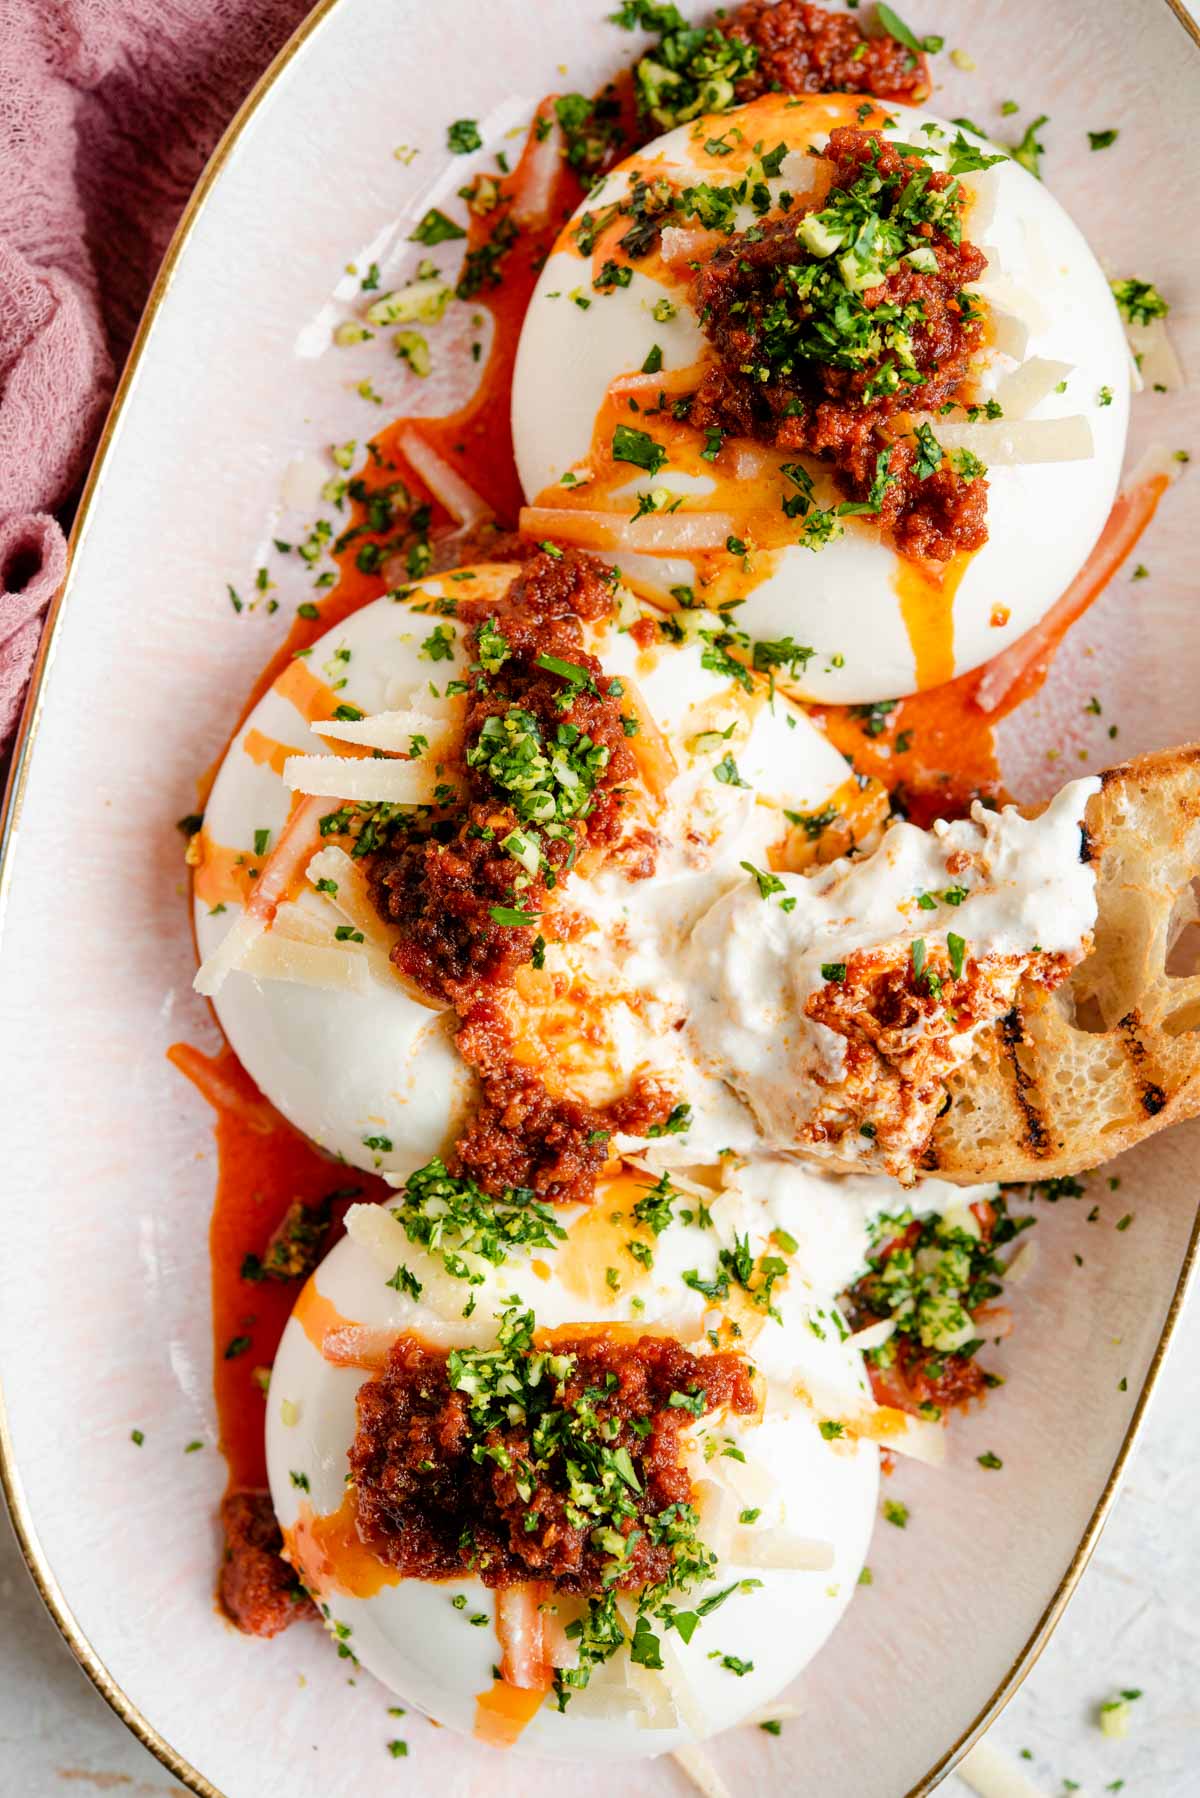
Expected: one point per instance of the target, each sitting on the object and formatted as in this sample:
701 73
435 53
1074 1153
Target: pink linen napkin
108 112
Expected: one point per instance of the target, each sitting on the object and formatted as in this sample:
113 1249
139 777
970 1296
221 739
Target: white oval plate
108 1156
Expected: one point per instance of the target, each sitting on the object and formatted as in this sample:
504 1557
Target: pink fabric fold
109 110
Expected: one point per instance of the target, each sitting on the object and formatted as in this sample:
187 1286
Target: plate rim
11 1484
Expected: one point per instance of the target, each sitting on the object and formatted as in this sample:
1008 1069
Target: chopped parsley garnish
929 1275
767 882
546 778
677 1122
571 1447
1030 150
692 69
511 917
738 1267
1139 301
463 136
895 27
452 1218
613 274
439 644
783 652
639 448
929 452
436 228
655 1209
726 771
875 715
404 1280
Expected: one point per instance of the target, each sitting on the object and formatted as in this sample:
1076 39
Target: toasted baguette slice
1068 1079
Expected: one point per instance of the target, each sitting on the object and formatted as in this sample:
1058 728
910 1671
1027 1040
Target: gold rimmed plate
104 1325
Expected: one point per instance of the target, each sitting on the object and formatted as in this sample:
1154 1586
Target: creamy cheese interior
998 892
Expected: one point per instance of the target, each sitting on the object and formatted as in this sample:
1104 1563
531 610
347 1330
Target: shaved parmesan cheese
1010 334
1023 1262
679 1688
374 1229
242 933
918 1437
301 925
1004 444
384 1238
982 190
771 1713
874 1336
684 244
352 897
628 609
993 1775
701 1771
1007 297
921 1438
1157 364
281 867
957 1215
390 731
603 1701
334 966
798 171
1019 392
659 533
776 1548
367 781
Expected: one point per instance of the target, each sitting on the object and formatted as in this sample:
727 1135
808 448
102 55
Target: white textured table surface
1133 1623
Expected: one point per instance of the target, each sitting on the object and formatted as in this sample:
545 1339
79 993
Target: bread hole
1183 933
1088 1017
1186 1017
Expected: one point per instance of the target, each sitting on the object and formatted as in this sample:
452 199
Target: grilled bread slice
1067 1079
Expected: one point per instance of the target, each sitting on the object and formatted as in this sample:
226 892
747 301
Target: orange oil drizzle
927 609
221 875
267 752
330 1555
504 1712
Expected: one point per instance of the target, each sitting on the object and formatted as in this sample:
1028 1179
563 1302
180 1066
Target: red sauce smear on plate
263 1166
